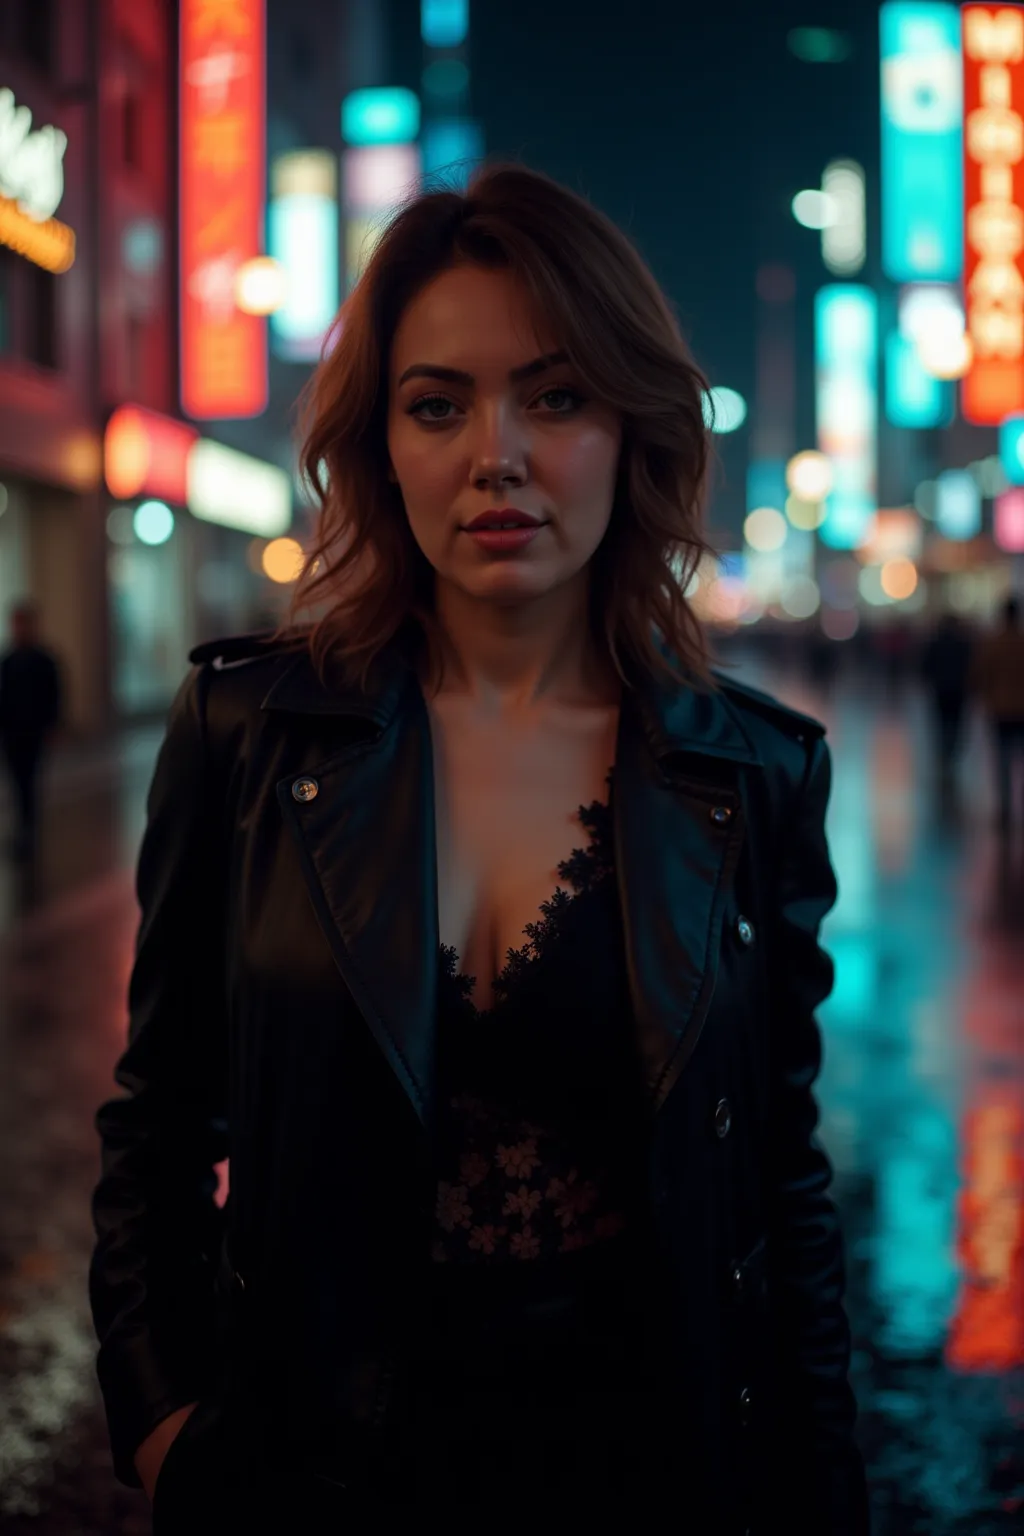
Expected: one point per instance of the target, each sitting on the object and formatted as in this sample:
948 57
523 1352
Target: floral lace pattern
516 1187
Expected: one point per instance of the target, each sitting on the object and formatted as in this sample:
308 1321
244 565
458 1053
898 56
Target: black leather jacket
282 1011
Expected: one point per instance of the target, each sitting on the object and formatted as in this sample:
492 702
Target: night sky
693 127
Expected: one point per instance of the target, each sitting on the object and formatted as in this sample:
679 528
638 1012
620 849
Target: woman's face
484 417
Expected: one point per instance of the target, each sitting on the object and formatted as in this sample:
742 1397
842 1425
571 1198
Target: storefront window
147 610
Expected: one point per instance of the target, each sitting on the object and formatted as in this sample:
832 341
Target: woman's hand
149 1457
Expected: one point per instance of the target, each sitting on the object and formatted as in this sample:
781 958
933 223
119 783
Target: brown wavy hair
363 568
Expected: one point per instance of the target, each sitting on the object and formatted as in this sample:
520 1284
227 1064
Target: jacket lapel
678 835
367 845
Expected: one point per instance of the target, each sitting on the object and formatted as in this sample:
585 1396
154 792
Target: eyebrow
456 375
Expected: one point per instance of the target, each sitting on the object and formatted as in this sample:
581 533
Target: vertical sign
993 386
922 169
846 397
302 234
223 132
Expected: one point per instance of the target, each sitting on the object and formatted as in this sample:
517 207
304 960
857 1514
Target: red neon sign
145 453
223 135
993 48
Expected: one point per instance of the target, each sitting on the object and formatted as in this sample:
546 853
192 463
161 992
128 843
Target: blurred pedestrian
945 672
31 696
998 678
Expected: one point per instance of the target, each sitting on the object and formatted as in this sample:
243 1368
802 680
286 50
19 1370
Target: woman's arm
821 1486
157 1225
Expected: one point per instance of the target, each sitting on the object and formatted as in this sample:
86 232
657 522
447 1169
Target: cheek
584 467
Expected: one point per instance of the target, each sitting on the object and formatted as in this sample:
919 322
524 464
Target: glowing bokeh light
283 560
153 522
765 529
121 525
1008 521
946 355
809 475
805 515
870 586
724 409
898 578
800 596
261 286
815 209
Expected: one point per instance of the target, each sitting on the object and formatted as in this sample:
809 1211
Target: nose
498 457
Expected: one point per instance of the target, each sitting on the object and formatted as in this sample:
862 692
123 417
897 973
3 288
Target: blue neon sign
922 135
385 114
444 23
1011 448
913 397
958 504
846 400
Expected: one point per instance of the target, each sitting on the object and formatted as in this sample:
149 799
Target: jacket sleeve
818 1472
157 1225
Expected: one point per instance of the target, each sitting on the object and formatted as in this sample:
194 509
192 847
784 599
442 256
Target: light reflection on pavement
922 1098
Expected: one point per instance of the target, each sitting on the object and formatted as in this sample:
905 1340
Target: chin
510 586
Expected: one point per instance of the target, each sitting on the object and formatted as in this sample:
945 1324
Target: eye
570 400
422 408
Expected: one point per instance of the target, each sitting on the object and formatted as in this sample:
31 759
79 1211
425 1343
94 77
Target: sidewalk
92 815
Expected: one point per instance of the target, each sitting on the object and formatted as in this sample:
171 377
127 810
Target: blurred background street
832 195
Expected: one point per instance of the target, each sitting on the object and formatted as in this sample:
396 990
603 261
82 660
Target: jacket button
723 1119
745 1406
721 815
305 789
744 931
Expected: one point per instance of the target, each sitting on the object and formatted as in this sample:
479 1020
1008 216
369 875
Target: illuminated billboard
237 491
222 160
144 451
922 170
380 114
993 52
302 235
846 399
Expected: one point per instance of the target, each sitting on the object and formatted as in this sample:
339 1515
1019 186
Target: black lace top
540 1092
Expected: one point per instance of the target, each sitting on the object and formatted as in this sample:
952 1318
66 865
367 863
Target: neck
517 658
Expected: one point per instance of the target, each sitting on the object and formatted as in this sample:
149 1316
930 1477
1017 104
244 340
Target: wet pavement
922 1101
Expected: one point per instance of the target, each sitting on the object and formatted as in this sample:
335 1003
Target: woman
479 926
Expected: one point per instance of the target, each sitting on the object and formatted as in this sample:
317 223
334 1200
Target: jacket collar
676 720
367 847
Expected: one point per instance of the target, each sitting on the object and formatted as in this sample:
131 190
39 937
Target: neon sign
31 188
922 172
223 131
846 398
993 48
